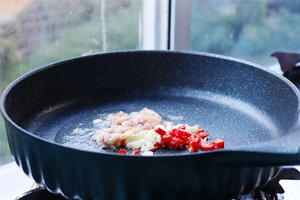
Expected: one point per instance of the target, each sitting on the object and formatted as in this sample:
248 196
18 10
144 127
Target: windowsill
13 182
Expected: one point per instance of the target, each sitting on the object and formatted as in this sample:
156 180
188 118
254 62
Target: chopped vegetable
144 132
218 144
166 139
135 152
203 135
122 151
206 146
182 127
176 143
200 129
160 131
157 145
194 142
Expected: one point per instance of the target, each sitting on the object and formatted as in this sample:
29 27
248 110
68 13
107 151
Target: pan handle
284 150
278 152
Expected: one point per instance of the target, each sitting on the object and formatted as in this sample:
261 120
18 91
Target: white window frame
166 24
155 26
180 24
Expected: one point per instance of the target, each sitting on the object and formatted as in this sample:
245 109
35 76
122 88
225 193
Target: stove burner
270 191
273 186
39 193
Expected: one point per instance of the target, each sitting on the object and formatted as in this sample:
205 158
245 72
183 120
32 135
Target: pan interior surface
235 101
232 120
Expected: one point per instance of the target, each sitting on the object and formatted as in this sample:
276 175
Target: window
246 29
34 33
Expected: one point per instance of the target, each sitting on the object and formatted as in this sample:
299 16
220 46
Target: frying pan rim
182 52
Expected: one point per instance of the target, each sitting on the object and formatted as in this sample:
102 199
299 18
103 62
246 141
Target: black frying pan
252 109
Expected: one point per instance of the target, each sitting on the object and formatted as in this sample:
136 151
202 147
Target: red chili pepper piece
182 127
194 142
181 134
157 145
206 146
218 144
122 151
195 138
135 152
160 131
203 135
176 143
185 133
200 129
166 139
123 142
173 132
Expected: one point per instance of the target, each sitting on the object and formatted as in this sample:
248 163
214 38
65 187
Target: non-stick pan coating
234 121
249 107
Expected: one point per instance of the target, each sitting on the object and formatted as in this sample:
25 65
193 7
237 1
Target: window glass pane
248 29
37 32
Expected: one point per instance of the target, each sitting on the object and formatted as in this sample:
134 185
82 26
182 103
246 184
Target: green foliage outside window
248 29
47 31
